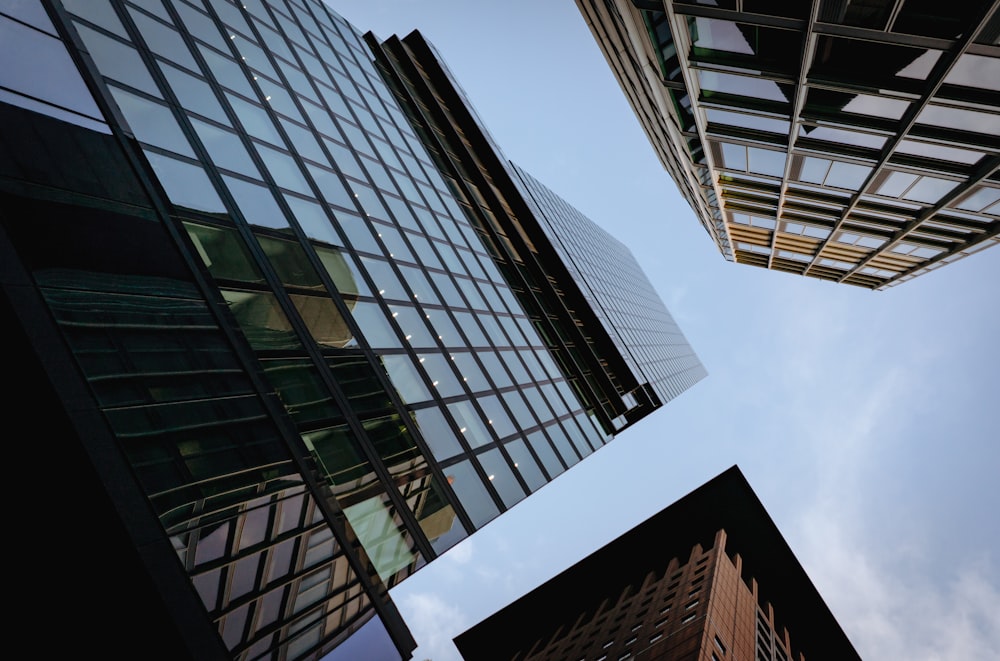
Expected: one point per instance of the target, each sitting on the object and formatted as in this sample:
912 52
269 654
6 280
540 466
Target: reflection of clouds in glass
740 85
766 161
929 190
975 71
187 184
747 121
876 106
939 151
982 197
719 35
916 188
847 175
920 67
896 184
966 120
856 138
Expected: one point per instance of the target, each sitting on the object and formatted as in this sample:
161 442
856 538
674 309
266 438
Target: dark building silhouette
843 140
279 347
709 578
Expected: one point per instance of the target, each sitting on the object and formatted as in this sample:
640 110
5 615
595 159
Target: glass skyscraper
291 331
843 140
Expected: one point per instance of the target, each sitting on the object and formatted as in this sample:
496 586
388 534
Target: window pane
975 71
438 368
313 220
255 120
498 472
194 93
470 425
323 319
225 148
386 283
734 157
437 433
118 61
468 368
163 40
471 493
374 326
525 464
285 171
929 150
755 88
186 184
406 380
766 161
345 275
959 118
847 175
48 73
151 122
496 416
545 453
411 322
256 203
223 252
929 189
263 321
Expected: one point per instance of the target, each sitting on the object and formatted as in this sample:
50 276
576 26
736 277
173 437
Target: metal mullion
855 121
733 64
984 171
987 50
734 15
940 238
988 99
659 127
332 511
894 14
94 80
880 36
956 137
919 164
660 120
421 80
418 534
326 153
939 73
946 257
683 48
961 223
742 136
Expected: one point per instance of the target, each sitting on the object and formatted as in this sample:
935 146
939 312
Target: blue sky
865 421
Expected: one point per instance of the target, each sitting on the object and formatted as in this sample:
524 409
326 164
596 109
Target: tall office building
709 578
279 344
850 141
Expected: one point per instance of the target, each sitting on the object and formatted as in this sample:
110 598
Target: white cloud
461 553
891 612
892 598
852 406
433 622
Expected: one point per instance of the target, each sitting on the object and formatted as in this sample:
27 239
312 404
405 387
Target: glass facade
619 292
316 365
853 142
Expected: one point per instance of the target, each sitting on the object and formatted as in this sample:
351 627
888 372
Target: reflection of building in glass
709 578
286 352
848 141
